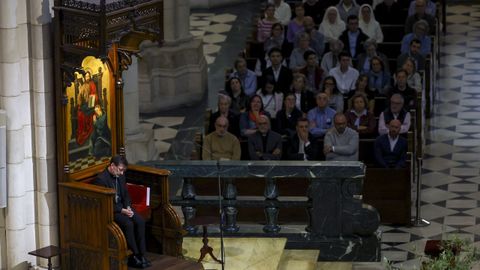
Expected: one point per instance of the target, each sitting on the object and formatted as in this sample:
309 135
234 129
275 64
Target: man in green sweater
220 144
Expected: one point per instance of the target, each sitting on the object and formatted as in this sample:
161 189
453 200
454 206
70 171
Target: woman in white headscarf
368 24
332 25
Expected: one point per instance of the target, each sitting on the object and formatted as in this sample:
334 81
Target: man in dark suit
391 149
264 144
281 75
353 35
132 225
302 145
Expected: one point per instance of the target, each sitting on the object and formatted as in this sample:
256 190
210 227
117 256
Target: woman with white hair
332 25
368 24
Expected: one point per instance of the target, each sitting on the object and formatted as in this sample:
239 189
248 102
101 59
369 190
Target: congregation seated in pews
364 62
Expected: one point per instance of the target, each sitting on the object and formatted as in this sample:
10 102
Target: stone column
176 73
44 175
139 144
15 97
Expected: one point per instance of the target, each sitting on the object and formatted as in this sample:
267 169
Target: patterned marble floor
450 190
212 29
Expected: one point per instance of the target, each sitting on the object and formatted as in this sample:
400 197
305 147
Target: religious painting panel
89 115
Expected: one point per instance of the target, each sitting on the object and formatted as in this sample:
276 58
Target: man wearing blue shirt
247 77
321 117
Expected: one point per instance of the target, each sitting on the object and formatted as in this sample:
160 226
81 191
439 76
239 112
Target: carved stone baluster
189 212
271 211
230 212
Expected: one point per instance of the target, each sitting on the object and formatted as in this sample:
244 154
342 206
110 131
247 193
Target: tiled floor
450 180
450 190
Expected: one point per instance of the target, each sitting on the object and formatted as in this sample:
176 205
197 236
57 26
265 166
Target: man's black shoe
145 262
135 262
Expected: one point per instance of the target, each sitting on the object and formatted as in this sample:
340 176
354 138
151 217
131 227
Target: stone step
297 259
240 253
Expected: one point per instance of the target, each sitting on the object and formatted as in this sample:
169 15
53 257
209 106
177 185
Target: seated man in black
264 144
391 149
132 225
302 145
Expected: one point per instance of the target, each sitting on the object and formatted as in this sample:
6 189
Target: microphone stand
220 205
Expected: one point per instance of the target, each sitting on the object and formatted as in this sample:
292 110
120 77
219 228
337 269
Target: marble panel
434 179
224 18
440 135
240 253
468 128
471 89
218 28
466 142
456 187
214 38
448 108
469 102
413 264
433 195
431 230
448 71
432 211
461 204
473 212
454 60
298 259
451 95
455 39
162 147
474 179
210 59
440 149
453 49
469 115
460 220
464 171
211 48
395 237
446 121
415 247
395 255
438 164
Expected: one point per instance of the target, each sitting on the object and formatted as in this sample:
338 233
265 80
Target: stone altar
339 224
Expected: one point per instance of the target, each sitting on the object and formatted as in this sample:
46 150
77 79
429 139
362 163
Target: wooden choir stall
94 42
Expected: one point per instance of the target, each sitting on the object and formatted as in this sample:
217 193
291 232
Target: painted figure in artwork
87 99
100 144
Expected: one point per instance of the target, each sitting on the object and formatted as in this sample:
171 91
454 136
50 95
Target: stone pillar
139 144
46 224
176 73
14 94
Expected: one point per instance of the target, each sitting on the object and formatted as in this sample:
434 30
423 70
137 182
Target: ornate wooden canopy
94 42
